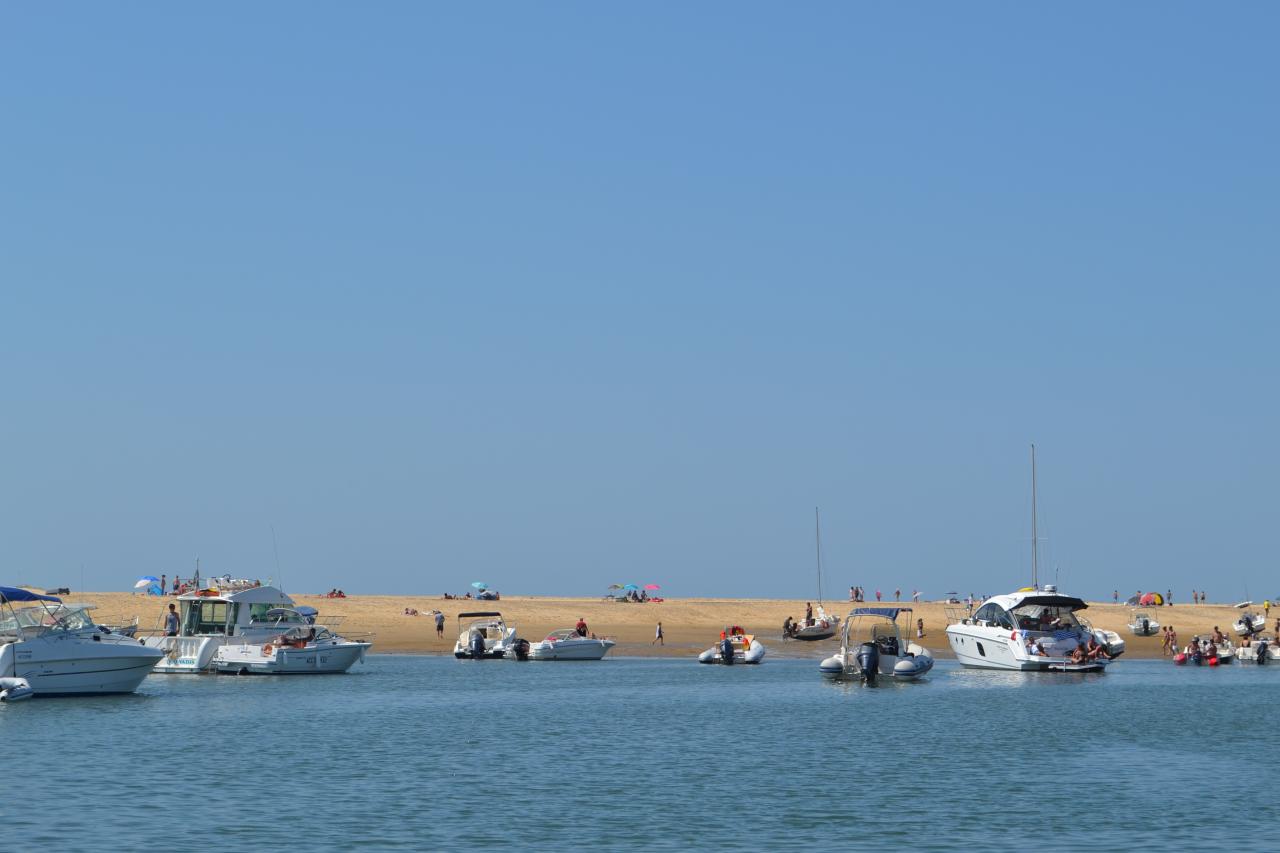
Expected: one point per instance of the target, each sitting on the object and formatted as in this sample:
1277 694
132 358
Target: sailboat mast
1035 536
817 538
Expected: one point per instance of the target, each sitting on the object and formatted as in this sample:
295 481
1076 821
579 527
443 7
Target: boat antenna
817 538
1035 542
275 548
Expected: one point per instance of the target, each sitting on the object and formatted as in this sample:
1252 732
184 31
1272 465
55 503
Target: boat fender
267 650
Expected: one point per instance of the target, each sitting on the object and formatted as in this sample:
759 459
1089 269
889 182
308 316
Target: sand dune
690 624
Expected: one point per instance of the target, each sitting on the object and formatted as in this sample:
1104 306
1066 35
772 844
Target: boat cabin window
205 617
259 613
1035 617
994 615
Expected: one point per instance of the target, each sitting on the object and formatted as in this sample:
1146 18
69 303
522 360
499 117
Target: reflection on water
642 754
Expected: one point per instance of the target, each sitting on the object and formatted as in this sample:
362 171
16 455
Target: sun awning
12 593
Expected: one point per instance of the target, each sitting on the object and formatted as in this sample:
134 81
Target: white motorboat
488 636
871 647
568 644
229 629
1031 629
1249 624
59 650
734 647
1258 649
1143 623
1224 650
297 647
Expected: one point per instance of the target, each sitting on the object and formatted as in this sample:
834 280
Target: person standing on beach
439 623
171 621
1266 609
1115 596
1173 641
1164 644
897 594
163 578
877 595
852 594
919 629
657 636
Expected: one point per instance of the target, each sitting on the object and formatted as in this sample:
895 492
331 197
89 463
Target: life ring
266 650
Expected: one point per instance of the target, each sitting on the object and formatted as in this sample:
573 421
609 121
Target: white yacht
872 646
1031 629
820 626
568 644
486 637
1143 623
297 646
251 629
1035 628
59 650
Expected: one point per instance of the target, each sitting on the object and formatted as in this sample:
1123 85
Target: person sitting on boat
1218 636
1079 655
581 627
1097 650
1211 649
1034 647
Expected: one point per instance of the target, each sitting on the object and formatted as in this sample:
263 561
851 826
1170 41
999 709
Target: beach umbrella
652 586
615 586
479 584
145 581
631 586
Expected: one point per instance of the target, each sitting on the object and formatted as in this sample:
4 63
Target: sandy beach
689 624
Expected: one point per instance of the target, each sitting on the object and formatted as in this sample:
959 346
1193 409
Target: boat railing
957 615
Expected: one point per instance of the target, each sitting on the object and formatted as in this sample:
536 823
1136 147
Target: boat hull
993 649
571 650
317 659
58 668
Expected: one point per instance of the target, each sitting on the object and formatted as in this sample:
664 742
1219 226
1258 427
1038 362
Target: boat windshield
39 619
1038 617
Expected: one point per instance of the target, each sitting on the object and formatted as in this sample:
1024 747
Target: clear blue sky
556 295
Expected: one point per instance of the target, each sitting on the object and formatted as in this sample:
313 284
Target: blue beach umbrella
631 586
146 581
480 585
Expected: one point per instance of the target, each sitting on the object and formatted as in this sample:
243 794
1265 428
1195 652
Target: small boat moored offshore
297 647
236 626
568 644
60 651
487 637
1143 623
735 646
14 689
871 646
1031 629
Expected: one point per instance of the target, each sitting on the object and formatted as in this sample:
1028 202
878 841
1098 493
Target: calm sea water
426 753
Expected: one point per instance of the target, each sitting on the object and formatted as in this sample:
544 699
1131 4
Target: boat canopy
479 613
889 612
1053 601
12 593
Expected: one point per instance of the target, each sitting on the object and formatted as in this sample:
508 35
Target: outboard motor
1262 652
1146 626
869 661
726 651
477 645
522 649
